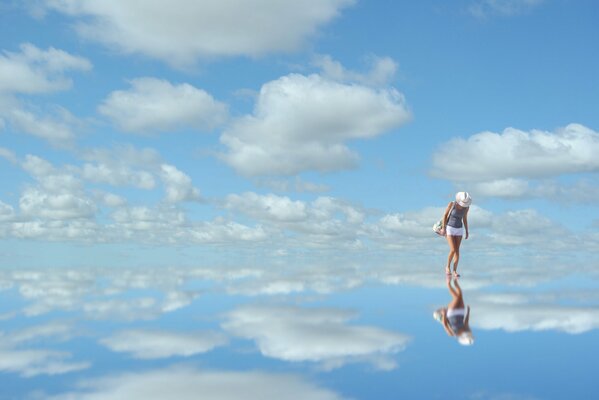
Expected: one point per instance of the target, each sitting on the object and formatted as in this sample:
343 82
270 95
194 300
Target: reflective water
307 332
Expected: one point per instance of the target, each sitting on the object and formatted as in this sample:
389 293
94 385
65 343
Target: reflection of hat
466 339
463 199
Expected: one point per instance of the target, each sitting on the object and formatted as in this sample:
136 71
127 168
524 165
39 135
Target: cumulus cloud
59 129
513 153
317 335
155 105
383 70
323 222
33 362
145 345
37 203
59 194
516 164
185 383
34 70
29 363
302 123
580 191
514 313
7 212
8 155
506 8
181 32
178 185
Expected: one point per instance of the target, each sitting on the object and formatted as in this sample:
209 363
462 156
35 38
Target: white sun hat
463 199
466 339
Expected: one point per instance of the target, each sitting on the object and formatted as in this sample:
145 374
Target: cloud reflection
184 383
315 334
145 344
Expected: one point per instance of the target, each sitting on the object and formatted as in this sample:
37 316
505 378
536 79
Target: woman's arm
446 215
465 219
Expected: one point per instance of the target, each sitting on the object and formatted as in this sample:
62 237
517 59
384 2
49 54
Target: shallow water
307 332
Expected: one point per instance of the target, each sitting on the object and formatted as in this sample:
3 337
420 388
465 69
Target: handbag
438 226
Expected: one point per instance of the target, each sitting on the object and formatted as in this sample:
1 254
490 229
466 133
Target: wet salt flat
313 332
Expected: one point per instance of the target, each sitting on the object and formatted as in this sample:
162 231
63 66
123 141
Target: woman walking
455 226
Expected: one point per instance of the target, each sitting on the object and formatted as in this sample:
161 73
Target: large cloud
180 32
154 105
187 383
514 153
302 123
516 312
517 164
318 335
323 222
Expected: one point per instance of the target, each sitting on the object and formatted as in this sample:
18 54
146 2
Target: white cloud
268 207
382 72
29 363
489 156
180 32
118 175
161 344
517 164
154 105
58 129
186 383
178 185
56 330
507 8
37 203
8 155
7 212
38 71
110 199
324 222
33 362
581 191
58 196
317 335
221 231
302 123
499 312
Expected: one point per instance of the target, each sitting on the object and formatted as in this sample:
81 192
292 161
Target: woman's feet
455 274
447 271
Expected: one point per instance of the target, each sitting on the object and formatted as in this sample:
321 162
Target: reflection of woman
456 317
455 224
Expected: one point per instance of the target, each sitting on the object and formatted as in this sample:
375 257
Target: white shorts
451 231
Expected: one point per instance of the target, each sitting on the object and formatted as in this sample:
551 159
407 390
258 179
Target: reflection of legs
457 300
457 241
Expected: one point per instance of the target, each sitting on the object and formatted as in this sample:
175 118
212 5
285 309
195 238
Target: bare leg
457 301
451 254
457 240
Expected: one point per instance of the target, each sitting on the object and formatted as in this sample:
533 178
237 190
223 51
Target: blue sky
223 132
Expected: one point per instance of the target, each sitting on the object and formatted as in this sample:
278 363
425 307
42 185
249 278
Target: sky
277 132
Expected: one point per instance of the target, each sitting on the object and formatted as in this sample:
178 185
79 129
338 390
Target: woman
456 317
455 224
